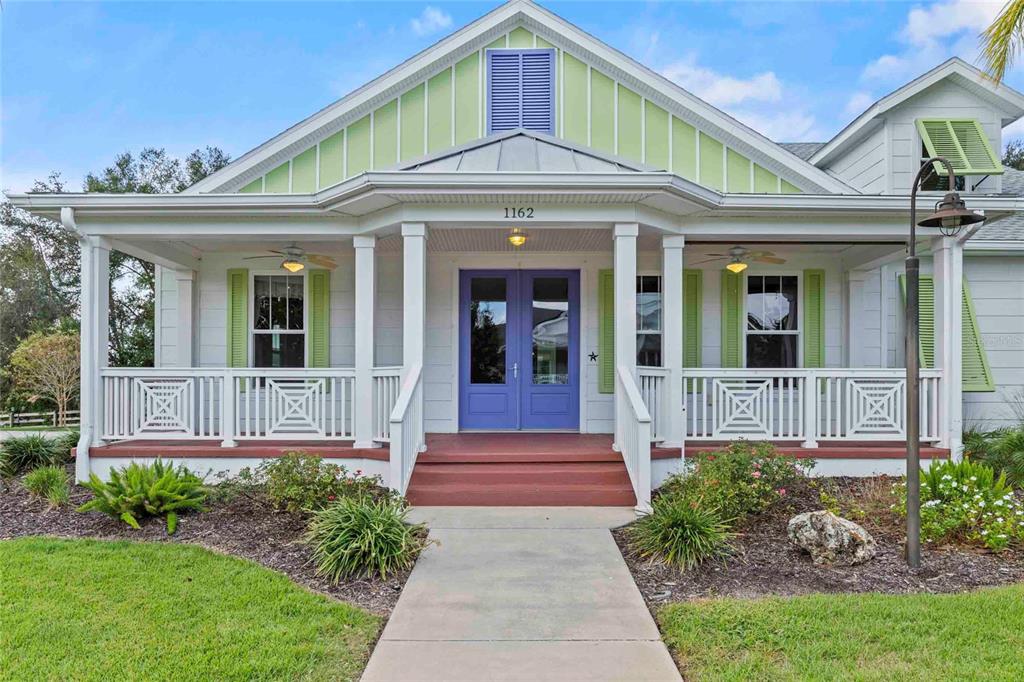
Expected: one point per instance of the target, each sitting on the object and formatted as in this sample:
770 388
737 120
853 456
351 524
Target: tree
46 365
1013 154
1001 42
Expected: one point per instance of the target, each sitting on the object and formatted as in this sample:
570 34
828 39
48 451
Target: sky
81 82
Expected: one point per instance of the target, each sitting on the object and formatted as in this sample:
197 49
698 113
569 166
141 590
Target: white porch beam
184 279
625 236
164 255
947 274
365 296
95 335
672 339
414 286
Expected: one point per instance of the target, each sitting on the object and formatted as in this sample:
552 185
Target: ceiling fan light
736 267
517 237
292 265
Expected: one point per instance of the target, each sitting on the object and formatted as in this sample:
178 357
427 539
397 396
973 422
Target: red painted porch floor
503 469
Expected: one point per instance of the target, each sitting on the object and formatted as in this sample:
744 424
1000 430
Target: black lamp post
950 216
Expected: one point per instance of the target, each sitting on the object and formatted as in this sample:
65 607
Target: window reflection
550 331
487 322
772 321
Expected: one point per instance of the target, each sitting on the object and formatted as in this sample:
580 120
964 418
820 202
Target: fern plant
138 490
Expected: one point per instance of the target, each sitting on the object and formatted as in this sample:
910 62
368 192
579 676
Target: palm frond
1002 40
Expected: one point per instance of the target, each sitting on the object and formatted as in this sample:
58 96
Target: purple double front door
519 340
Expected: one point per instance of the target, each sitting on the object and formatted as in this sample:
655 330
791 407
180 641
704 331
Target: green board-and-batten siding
591 109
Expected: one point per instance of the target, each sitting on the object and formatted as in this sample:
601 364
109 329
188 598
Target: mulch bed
764 562
244 527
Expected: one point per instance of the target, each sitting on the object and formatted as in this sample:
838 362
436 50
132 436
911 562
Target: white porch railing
406 429
806 405
197 403
633 435
386 384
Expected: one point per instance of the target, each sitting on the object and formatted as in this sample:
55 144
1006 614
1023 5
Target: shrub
50 483
24 453
740 480
680 532
1003 450
64 444
363 537
138 490
967 502
297 482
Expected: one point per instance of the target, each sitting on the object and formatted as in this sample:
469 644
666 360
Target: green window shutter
814 318
976 374
732 319
963 142
693 295
238 318
606 331
925 317
319 318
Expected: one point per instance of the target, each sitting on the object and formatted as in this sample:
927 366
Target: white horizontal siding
864 165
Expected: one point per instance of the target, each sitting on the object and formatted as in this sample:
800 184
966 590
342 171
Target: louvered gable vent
521 90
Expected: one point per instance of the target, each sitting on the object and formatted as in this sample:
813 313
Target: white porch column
855 285
186 311
414 286
672 426
947 273
625 235
366 279
95 338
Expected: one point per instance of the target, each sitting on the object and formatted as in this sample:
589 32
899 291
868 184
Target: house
521 267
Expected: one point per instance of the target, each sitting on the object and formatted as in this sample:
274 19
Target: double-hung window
773 321
648 321
279 321
521 90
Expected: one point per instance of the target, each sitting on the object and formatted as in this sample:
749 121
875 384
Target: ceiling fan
294 258
738 257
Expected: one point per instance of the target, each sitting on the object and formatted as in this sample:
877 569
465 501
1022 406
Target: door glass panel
488 305
550 330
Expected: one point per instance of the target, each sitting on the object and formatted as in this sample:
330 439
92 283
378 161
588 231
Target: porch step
526 483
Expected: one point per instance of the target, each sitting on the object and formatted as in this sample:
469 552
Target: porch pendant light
950 215
517 237
292 265
736 267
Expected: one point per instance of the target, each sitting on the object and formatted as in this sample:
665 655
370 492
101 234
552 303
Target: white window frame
253 274
659 332
799 334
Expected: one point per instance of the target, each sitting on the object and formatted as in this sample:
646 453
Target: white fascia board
873 203
995 247
49 205
557 31
1009 99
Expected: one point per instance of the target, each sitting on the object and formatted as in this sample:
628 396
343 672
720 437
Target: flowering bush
740 480
297 482
966 502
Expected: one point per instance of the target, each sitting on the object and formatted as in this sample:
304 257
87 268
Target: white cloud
782 126
858 102
931 35
431 20
722 90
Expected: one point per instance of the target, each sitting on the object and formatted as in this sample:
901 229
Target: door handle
515 370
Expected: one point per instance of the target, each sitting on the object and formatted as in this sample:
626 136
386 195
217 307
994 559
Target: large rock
831 539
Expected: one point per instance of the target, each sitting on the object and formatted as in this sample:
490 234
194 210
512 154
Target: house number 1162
519 212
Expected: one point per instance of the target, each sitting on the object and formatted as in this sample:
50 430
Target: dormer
953 110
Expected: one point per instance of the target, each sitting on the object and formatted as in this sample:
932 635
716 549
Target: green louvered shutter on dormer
606 331
976 375
814 318
319 318
693 301
963 142
238 318
732 319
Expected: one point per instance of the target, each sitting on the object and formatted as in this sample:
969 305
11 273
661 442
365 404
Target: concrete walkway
528 593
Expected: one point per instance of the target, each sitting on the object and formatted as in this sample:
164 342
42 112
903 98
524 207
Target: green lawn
974 636
94 610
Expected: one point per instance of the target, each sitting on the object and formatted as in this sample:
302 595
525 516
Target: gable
602 100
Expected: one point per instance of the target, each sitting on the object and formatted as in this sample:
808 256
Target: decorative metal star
593 357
